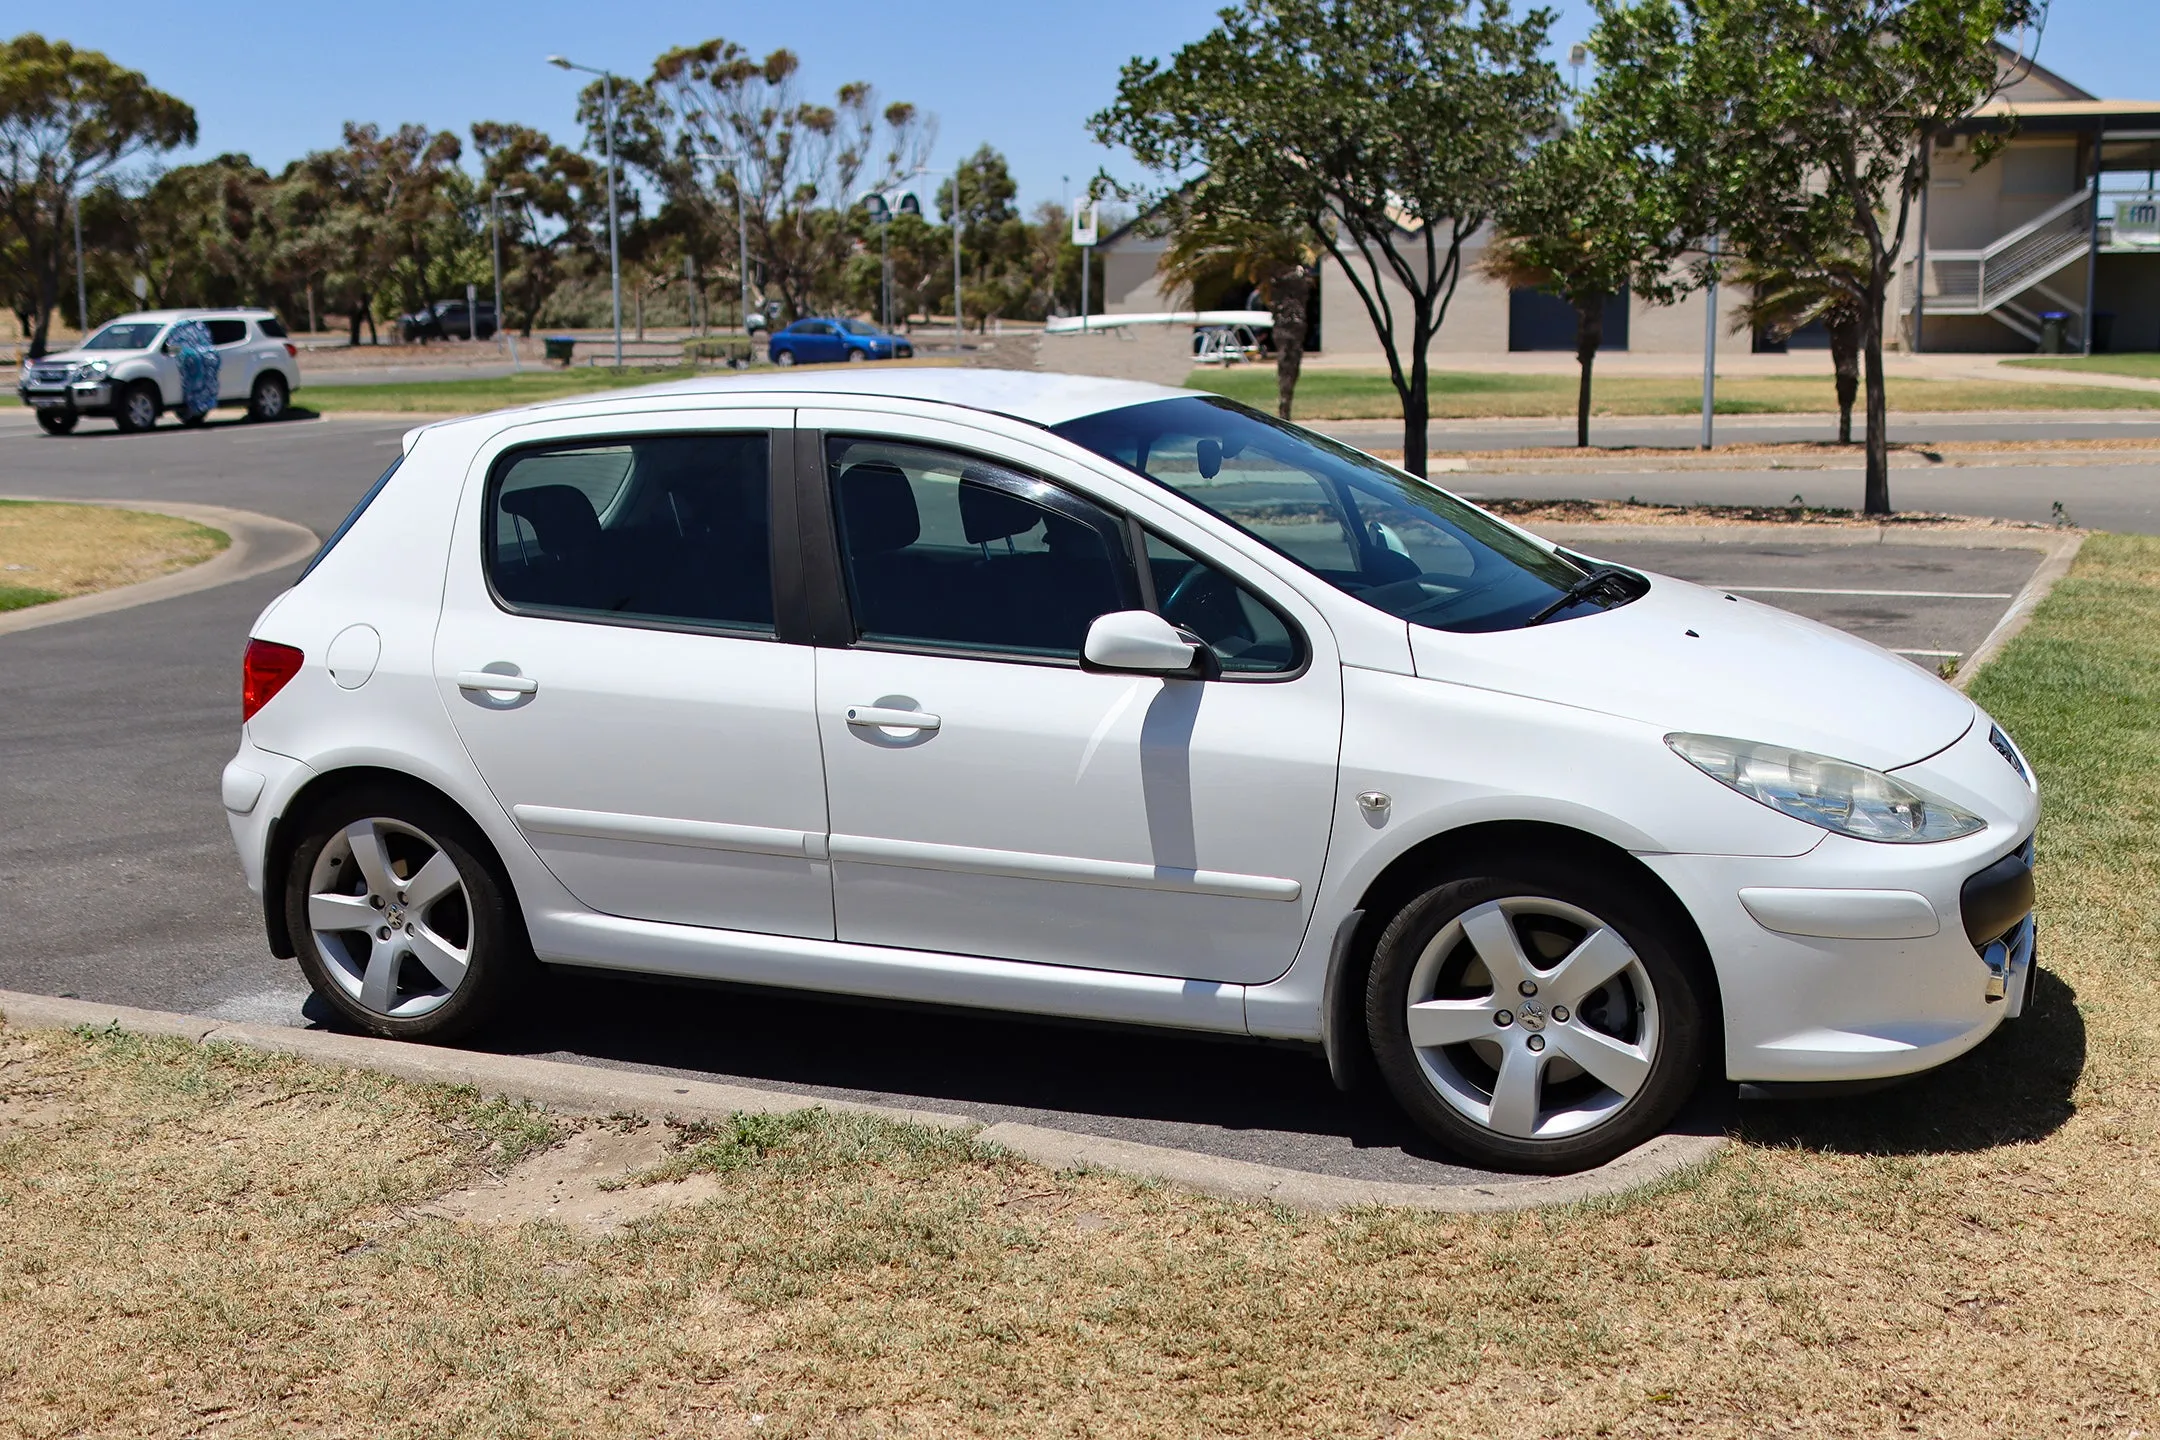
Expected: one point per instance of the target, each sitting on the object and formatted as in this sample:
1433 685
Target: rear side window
226 332
666 530
272 327
353 519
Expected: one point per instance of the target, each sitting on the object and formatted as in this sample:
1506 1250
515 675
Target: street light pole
614 245
82 292
959 329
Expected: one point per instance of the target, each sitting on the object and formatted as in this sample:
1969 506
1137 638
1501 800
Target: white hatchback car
1097 699
127 370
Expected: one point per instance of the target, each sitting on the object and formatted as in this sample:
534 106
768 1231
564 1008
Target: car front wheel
266 401
138 408
400 921
1537 1017
57 422
783 357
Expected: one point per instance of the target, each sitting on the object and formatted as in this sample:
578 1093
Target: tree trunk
1416 403
352 340
1845 359
1878 403
48 295
1589 334
1289 299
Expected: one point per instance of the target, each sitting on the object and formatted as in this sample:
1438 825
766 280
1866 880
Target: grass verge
53 551
466 397
2141 366
1455 395
199 1237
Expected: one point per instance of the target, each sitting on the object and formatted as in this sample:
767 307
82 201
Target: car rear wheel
57 422
399 919
1537 1017
266 401
138 408
783 357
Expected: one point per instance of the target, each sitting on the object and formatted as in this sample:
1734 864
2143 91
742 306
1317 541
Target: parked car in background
449 320
129 370
1113 702
820 341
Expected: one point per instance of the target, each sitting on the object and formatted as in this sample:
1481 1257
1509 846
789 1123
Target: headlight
92 370
1835 794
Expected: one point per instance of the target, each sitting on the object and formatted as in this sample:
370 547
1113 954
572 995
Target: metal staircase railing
1984 282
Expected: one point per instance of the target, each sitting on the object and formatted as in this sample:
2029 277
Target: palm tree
1782 298
1209 241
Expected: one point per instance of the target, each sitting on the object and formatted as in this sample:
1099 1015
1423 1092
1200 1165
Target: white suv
1098 699
127 371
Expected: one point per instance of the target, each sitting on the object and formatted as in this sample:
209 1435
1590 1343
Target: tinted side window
272 327
226 332
1244 631
674 529
952 552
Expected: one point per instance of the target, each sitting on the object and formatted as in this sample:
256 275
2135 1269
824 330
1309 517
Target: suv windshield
125 336
1371 531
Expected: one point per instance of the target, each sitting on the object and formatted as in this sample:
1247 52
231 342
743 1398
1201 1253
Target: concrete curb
260 544
2053 566
591 1090
1945 537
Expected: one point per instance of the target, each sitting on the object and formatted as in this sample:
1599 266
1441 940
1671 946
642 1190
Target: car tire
57 422
855 356
268 398
783 357
410 966
1482 1024
138 408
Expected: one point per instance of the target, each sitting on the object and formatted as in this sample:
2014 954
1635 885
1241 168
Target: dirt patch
1636 512
52 551
584 1182
1942 450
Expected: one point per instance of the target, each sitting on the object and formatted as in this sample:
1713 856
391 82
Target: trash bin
2053 325
560 346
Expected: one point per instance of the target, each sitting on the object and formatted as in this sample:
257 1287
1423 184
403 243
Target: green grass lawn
22 597
465 397
1457 395
2144 366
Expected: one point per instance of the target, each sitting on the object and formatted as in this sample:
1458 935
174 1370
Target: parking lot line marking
1931 654
1876 594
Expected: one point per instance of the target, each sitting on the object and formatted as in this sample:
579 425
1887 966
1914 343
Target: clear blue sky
1023 75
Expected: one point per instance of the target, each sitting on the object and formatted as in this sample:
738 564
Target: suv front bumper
84 397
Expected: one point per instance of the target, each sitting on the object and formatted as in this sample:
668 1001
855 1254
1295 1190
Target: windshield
1372 531
858 327
126 336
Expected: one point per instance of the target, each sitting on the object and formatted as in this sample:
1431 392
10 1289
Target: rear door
610 654
236 357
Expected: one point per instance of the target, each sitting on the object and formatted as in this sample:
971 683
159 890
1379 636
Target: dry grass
1642 512
50 551
200 1240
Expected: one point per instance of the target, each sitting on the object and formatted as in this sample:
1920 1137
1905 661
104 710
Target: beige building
2006 244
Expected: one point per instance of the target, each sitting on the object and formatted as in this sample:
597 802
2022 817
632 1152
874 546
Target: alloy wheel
390 917
1533 1018
142 409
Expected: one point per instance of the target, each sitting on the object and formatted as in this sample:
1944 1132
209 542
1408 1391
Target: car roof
160 317
1034 396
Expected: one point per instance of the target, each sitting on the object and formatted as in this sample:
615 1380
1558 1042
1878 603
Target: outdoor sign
2137 222
1084 223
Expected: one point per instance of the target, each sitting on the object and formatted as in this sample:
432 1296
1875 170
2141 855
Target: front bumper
84 397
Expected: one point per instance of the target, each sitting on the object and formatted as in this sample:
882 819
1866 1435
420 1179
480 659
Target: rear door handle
489 680
879 718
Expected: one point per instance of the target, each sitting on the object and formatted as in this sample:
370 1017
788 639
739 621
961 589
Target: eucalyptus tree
1391 130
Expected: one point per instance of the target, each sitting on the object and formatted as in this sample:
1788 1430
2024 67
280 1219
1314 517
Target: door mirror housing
1140 642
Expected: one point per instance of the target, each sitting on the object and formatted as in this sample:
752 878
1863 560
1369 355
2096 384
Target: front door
609 654
990 797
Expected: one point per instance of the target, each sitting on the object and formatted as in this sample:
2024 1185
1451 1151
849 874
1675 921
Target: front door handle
490 680
880 718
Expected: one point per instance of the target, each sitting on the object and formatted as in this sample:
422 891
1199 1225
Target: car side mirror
1140 642
169 348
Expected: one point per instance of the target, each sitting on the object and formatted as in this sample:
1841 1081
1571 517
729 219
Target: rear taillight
263 673
291 350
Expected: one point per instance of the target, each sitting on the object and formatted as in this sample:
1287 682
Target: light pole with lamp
82 290
495 247
614 246
959 330
742 229
907 204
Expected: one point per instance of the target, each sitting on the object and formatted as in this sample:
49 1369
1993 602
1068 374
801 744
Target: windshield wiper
1604 577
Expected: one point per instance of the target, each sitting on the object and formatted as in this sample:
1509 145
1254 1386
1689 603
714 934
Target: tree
564 205
1392 130
1576 225
1800 130
795 162
207 234
384 212
1782 299
67 118
1211 240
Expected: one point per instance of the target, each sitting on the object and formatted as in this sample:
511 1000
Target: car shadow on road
2016 1085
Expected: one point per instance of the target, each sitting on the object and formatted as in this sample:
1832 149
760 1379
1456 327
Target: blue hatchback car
819 341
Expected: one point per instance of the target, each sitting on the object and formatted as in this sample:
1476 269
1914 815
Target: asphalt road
119 882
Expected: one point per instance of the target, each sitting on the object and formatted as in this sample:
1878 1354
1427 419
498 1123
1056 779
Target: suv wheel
57 422
1539 1017
266 401
399 921
138 408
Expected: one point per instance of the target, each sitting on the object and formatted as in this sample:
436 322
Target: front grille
2004 748
50 374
